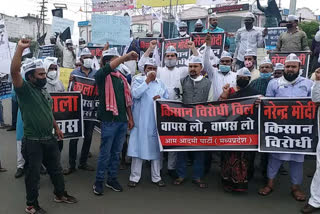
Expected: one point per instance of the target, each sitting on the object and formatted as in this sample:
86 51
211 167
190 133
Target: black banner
272 37
217 42
144 44
288 126
67 111
46 51
228 125
5 87
90 99
181 45
280 57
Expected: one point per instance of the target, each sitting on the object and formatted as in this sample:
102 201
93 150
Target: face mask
198 29
170 62
213 26
290 77
52 75
289 25
265 75
242 83
182 33
248 64
224 68
248 25
87 63
40 82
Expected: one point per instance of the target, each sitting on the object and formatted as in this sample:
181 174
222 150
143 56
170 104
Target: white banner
214 2
60 24
5 53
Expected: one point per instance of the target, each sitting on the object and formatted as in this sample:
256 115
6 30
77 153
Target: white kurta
143 142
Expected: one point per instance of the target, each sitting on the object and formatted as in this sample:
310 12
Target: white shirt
218 80
247 40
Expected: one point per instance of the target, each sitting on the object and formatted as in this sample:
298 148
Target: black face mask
198 29
290 77
248 25
40 82
242 83
289 25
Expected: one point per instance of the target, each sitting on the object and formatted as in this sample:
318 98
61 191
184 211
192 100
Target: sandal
298 195
200 183
267 190
178 181
132 184
160 183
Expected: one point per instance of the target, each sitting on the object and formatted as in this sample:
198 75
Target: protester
149 34
195 89
248 37
38 145
84 71
57 51
250 60
198 27
68 54
314 201
14 112
294 39
81 46
213 25
237 167
2 124
278 70
183 30
143 142
19 136
115 114
222 75
289 85
315 51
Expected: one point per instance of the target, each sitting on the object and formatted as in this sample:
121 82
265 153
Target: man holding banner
115 114
289 85
68 54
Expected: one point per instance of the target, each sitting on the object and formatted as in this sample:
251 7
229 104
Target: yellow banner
162 3
65 75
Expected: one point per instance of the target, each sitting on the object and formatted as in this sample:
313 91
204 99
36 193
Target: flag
66 34
156 56
146 9
177 22
157 15
41 39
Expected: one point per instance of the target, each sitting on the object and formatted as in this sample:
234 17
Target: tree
310 28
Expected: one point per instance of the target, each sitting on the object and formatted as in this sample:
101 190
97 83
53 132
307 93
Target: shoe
11 129
68 199
43 170
69 171
35 210
160 183
89 155
308 209
86 167
4 126
172 173
19 173
114 185
3 169
98 188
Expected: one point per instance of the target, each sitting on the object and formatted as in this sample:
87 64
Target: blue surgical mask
265 75
224 68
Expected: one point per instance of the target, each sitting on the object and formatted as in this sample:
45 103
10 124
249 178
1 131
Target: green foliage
33 47
310 28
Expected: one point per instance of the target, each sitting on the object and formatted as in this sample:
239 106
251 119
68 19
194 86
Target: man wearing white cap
223 74
289 85
143 142
250 59
84 71
198 27
68 53
213 25
248 37
278 70
294 39
38 144
183 30
195 89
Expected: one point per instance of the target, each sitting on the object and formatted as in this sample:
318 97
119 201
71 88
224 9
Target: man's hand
151 76
130 123
24 43
226 88
59 134
265 32
106 46
131 56
208 39
191 45
153 44
156 97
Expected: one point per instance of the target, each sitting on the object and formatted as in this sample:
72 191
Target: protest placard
65 76
60 24
272 37
181 45
217 42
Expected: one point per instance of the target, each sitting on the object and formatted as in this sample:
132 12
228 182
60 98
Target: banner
289 126
144 44
228 125
181 45
65 76
280 57
214 2
90 100
5 87
272 37
67 111
5 50
230 6
46 51
163 3
114 29
111 5
59 25
217 42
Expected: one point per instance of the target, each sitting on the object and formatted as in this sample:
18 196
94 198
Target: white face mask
87 63
52 75
182 33
170 62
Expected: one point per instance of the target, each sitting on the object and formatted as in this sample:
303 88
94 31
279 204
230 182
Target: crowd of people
126 103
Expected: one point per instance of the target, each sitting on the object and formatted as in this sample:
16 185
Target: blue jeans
197 167
113 135
1 113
